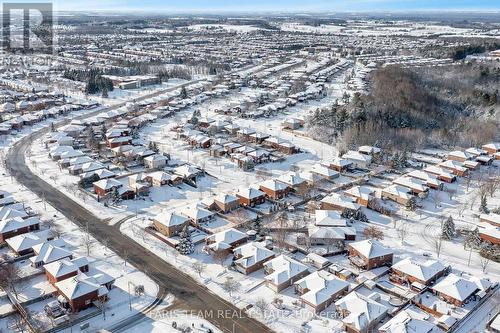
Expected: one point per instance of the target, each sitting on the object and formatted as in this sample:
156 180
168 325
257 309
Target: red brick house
17 226
250 257
170 224
409 271
64 269
226 202
250 197
369 254
275 189
459 289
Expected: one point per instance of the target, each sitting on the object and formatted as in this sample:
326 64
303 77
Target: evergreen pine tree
483 208
185 245
473 240
448 229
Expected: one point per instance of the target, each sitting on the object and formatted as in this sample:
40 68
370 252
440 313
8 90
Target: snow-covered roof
27 241
170 219
108 183
12 220
77 286
362 310
360 192
460 287
411 320
225 198
251 253
196 212
291 179
341 200
229 236
274 185
370 248
283 269
250 193
50 251
422 270
329 218
65 266
324 171
321 286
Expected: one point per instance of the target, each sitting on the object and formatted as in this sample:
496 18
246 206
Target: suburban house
359 313
63 269
340 202
329 218
339 164
106 187
357 159
460 156
492 148
416 186
23 244
225 240
170 224
320 289
156 161
362 194
324 172
275 189
250 197
491 218
226 202
293 180
457 168
459 289
408 320
48 252
80 292
430 180
330 236
441 174
283 271
417 273
197 214
397 193
489 233
250 257
369 254
10 227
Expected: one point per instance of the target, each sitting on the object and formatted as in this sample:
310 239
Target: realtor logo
27 27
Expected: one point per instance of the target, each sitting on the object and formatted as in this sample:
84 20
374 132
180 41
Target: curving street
190 295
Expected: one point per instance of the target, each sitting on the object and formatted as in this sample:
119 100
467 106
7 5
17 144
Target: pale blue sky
166 6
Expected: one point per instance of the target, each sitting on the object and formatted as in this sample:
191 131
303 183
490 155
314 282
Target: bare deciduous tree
198 267
372 232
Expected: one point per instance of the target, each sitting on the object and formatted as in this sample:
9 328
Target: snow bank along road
190 295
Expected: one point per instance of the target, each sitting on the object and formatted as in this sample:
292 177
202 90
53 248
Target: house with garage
430 180
274 189
329 218
63 269
293 180
460 156
459 289
339 164
417 187
169 223
250 196
48 252
359 313
397 193
156 161
492 148
225 241
489 233
340 202
80 292
369 254
283 271
362 194
417 273
16 225
441 174
357 159
251 257
226 202
324 172
411 319
197 214
455 167
320 289
23 244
